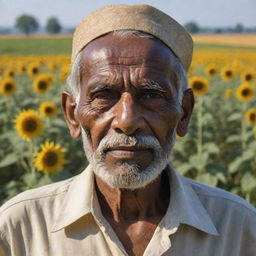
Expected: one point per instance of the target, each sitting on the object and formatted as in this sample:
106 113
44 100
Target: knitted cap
134 17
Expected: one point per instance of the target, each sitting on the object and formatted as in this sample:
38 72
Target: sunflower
228 93
50 159
47 77
64 72
33 69
28 124
199 85
227 73
245 92
52 66
247 76
48 109
9 72
41 85
21 67
250 116
7 86
211 70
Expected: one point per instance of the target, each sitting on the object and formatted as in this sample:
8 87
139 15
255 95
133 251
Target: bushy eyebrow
101 83
151 85
100 87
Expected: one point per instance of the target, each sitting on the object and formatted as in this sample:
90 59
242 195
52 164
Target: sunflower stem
243 127
31 157
248 197
200 126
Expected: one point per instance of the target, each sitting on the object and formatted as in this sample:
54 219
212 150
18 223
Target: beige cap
135 17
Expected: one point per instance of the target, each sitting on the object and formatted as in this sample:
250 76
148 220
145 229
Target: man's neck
123 205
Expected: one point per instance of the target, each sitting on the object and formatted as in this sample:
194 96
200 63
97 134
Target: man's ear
188 102
69 106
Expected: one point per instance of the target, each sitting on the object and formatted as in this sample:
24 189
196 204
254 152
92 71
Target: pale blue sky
70 12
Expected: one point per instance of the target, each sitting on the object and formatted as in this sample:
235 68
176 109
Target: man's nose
128 119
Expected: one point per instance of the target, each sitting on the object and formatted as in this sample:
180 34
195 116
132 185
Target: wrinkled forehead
128 50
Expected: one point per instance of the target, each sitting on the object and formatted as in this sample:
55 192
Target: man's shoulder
221 198
44 193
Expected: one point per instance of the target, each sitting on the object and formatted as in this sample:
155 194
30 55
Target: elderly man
128 99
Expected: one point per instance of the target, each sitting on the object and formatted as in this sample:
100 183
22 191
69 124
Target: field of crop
246 40
219 149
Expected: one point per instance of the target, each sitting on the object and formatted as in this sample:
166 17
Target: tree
192 27
239 28
53 26
27 24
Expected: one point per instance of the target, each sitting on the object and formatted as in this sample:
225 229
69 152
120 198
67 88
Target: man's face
128 109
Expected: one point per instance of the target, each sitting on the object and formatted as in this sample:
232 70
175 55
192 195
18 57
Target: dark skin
117 96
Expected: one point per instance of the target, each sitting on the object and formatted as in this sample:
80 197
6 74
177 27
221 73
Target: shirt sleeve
248 239
4 246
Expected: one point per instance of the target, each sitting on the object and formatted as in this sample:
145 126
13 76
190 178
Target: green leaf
30 180
207 117
211 148
208 179
8 160
45 180
248 155
234 117
184 168
248 182
199 161
233 166
233 138
220 176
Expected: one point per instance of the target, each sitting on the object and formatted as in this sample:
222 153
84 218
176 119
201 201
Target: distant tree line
193 28
28 24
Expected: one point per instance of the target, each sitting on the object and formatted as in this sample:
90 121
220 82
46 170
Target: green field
38 46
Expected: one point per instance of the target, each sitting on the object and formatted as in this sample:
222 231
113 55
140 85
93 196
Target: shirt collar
185 206
78 200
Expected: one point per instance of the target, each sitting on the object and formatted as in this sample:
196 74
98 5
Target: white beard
127 175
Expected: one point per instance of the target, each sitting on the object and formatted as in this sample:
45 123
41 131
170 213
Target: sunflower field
219 149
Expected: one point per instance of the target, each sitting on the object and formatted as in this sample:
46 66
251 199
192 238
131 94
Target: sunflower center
198 86
11 73
48 110
35 70
212 71
30 125
253 117
50 158
228 73
42 85
246 92
8 87
248 77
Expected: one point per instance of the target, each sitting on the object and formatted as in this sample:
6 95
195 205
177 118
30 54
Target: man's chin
127 176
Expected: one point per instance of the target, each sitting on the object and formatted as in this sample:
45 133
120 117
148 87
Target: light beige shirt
65 219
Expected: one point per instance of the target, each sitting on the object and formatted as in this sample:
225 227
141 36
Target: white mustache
119 140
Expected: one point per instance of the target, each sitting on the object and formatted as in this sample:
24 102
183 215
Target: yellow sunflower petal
50 159
28 124
199 85
245 92
48 109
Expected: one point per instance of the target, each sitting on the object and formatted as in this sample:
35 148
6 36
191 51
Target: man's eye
104 95
152 94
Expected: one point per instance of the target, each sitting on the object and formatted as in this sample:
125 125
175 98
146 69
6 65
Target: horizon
69 14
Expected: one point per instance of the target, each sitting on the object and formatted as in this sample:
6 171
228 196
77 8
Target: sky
207 13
